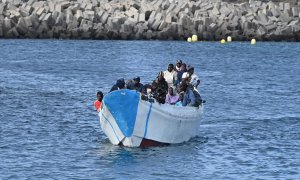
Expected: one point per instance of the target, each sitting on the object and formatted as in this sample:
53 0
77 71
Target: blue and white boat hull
129 121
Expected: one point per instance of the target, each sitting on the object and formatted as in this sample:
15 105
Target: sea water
49 128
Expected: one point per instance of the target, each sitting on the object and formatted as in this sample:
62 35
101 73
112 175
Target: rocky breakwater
149 19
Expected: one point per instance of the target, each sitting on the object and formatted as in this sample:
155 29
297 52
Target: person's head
191 70
99 96
171 91
154 86
170 67
178 63
120 83
136 80
160 76
183 67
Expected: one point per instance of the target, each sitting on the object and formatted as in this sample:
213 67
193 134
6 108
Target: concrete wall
149 19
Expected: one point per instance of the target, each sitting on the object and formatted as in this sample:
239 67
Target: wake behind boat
128 120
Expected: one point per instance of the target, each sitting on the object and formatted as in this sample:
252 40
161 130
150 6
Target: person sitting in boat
189 98
120 84
178 65
170 75
180 100
137 85
160 88
171 97
129 84
98 102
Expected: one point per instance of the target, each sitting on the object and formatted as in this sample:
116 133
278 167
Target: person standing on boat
98 102
194 80
171 98
178 65
180 73
170 75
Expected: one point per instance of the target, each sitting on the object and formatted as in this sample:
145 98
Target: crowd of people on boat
175 86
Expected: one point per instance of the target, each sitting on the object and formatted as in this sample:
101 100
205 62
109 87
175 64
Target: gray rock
58 8
28 9
213 27
288 30
14 32
104 17
224 10
51 6
21 26
276 12
263 19
48 19
151 18
114 23
141 18
295 11
27 21
79 15
281 6
42 16
163 25
1 31
90 15
7 24
171 8
23 12
215 11
1 8
271 27
89 7
287 6
72 25
284 17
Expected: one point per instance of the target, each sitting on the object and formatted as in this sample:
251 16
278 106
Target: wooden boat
129 121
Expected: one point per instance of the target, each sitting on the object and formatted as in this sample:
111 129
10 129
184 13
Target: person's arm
198 82
175 76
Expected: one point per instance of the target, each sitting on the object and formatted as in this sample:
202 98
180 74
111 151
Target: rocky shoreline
150 19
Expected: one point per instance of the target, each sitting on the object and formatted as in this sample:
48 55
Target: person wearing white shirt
170 75
191 77
194 79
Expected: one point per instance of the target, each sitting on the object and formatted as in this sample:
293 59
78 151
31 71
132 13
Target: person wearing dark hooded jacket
160 88
120 84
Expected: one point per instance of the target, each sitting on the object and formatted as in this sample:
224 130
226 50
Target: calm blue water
49 129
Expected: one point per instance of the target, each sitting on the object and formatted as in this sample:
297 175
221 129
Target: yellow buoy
189 39
223 41
229 39
253 41
194 38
